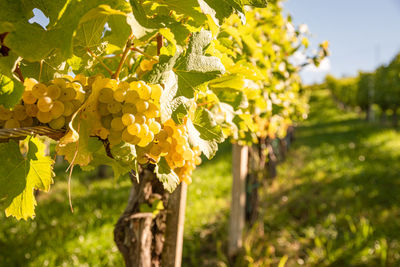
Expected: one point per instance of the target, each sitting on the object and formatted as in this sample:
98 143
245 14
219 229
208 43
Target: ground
335 202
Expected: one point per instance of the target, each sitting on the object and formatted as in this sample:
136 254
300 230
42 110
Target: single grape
131 96
68 109
27 122
53 91
19 113
146 65
45 104
116 124
134 129
67 94
140 118
5 114
143 90
128 119
106 121
60 82
106 95
102 109
188 154
57 110
156 91
152 111
31 110
155 150
141 105
57 123
155 127
12 123
144 130
44 117
114 107
28 97
120 94
39 90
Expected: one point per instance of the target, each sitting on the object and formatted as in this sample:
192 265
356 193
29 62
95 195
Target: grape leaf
167 177
23 174
8 63
10 91
194 68
221 9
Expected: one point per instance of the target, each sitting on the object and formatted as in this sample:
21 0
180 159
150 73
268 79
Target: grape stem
159 43
129 43
101 62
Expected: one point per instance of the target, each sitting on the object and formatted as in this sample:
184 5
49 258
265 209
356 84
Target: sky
363 34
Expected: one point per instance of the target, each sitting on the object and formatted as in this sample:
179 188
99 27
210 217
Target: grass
335 202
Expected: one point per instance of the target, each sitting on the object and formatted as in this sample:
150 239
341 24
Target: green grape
156 91
53 91
106 95
5 114
115 137
134 129
12 123
155 127
114 107
60 82
45 104
128 119
102 109
129 108
120 94
146 139
57 123
19 113
57 110
141 105
131 96
106 121
143 90
116 124
68 109
28 97
140 118
39 90
144 130
127 137
27 122
44 117
67 94
31 110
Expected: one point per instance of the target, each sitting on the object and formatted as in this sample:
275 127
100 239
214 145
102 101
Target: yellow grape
143 90
102 109
106 95
188 154
155 127
81 78
127 137
19 113
67 94
39 90
5 114
45 104
12 123
162 135
31 110
144 130
53 91
165 146
141 105
133 129
57 123
28 97
60 82
120 94
152 111
116 124
140 118
44 117
155 150
128 119
27 122
114 107
156 91
106 121
131 96
129 108
68 109
146 64
57 110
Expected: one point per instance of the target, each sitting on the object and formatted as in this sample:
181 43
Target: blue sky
362 33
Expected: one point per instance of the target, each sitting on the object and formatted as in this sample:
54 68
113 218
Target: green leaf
21 175
8 63
167 177
255 3
49 69
221 9
194 68
10 91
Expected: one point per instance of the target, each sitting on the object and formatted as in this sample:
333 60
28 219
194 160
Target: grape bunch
54 103
15 118
130 111
185 172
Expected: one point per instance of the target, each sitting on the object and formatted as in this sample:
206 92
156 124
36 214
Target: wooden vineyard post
172 253
238 204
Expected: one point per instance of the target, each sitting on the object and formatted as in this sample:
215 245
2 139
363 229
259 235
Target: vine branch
129 43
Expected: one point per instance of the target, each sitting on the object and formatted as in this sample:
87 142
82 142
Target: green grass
335 202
